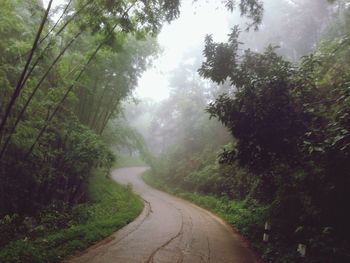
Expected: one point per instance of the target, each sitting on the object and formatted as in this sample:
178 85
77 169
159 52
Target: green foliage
288 159
263 83
288 162
110 80
291 129
8 228
52 118
253 9
111 207
77 152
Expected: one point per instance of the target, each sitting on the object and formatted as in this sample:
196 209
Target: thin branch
70 88
73 16
50 43
21 78
24 108
56 24
58 20
108 117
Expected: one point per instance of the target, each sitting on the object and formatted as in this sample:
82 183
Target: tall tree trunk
17 90
70 88
33 93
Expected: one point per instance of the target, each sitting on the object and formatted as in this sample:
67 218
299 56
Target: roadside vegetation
255 132
64 233
64 72
268 143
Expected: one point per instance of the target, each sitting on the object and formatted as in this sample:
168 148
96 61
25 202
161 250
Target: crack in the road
189 244
209 252
207 260
180 232
149 204
150 258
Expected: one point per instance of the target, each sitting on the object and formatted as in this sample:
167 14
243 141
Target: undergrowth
111 207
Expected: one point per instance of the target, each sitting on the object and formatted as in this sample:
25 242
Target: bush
8 228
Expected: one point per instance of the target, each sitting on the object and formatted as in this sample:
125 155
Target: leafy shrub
8 228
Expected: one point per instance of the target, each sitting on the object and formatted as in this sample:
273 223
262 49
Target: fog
180 41
239 106
172 99
294 26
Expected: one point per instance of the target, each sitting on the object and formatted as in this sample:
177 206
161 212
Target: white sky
176 39
187 32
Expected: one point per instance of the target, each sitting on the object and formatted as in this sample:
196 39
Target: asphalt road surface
169 230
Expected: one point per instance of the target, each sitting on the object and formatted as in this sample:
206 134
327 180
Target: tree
290 125
48 125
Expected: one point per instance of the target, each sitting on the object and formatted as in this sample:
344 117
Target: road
169 230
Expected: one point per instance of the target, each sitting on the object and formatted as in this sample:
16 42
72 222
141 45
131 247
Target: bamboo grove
64 72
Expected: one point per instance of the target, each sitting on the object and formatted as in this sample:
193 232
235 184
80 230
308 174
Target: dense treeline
64 73
288 161
277 141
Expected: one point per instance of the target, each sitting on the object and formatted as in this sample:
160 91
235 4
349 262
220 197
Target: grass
111 207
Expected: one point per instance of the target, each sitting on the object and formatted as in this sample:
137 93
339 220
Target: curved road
169 230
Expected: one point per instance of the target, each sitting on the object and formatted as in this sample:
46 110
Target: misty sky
178 39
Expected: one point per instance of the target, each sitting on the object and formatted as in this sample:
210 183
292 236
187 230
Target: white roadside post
267 229
301 249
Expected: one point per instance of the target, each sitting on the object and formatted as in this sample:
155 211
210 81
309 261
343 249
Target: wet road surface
169 230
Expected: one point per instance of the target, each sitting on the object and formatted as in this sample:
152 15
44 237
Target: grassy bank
59 235
248 219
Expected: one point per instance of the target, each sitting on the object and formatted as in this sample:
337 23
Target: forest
255 128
